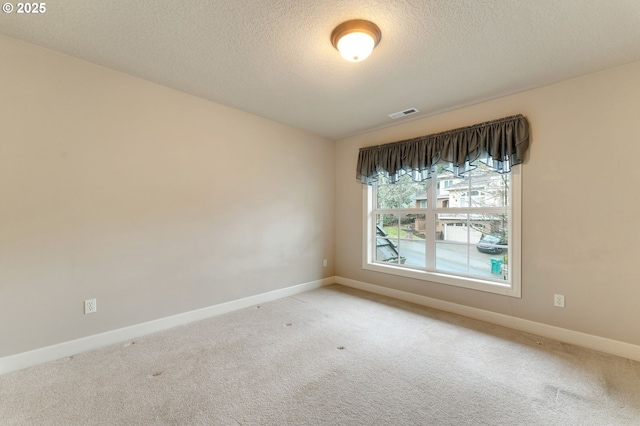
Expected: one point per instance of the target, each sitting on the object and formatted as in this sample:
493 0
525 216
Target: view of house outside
467 218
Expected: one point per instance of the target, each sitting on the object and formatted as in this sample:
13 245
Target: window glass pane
452 236
413 226
387 230
489 259
491 227
452 191
404 194
416 195
387 195
412 253
488 188
387 225
452 257
472 244
486 265
412 244
452 227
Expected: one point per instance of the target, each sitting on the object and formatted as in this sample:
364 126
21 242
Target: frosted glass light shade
356 39
356 47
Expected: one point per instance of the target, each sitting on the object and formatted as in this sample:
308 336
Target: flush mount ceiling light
356 39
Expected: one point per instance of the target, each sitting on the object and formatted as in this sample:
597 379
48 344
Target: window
466 235
460 228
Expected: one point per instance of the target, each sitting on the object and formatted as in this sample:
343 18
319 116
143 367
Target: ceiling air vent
403 113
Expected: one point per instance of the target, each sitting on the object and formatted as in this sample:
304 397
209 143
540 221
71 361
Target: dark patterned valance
500 144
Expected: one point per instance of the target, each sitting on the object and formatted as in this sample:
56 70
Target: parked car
489 242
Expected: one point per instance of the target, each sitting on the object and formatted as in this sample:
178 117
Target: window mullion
430 232
469 211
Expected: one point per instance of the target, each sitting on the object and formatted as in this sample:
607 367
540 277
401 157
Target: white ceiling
273 58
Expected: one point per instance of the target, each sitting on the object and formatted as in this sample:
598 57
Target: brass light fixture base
353 26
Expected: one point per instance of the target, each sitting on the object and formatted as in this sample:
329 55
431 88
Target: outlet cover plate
558 300
90 306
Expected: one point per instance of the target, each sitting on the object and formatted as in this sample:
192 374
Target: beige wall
150 200
580 204
156 202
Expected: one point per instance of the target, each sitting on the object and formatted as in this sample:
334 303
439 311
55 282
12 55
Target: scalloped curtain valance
500 144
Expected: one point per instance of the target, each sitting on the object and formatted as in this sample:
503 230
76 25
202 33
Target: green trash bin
496 265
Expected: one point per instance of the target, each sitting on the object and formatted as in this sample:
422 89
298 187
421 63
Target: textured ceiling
273 58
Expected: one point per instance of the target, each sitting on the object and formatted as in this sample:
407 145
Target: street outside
450 258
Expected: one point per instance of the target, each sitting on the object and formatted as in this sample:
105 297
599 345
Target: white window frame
511 288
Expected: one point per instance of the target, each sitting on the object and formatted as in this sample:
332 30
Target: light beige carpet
332 356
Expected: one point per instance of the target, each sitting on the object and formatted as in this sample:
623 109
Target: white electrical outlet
558 300
90 306
324 263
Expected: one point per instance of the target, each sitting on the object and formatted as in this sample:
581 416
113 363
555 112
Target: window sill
510 290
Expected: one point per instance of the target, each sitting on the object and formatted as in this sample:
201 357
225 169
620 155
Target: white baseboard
50 353
613 347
